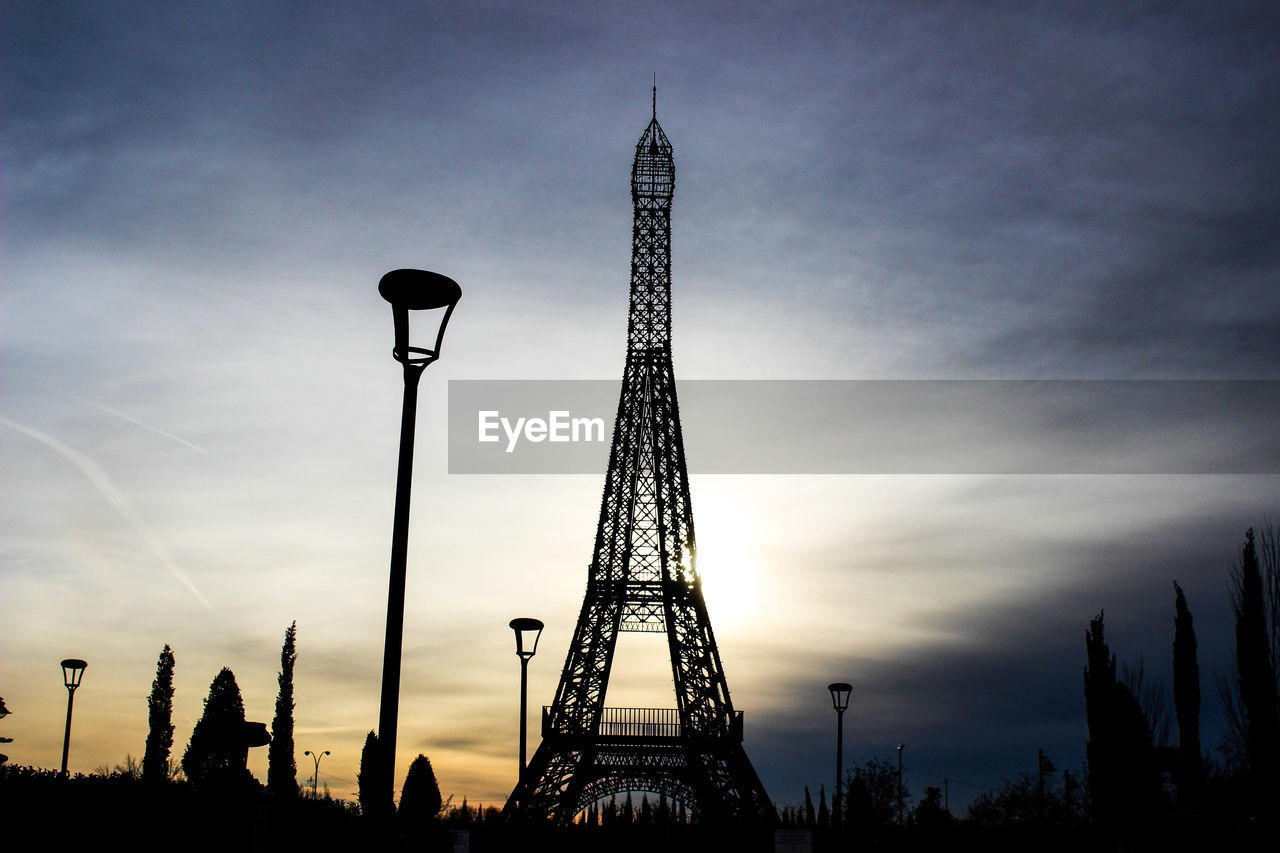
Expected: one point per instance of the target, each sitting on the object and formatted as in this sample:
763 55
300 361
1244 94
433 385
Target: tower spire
655 96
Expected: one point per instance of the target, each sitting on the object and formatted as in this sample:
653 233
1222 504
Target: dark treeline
1148 781
1139 771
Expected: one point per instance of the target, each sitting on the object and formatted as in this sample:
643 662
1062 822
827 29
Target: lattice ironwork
643 577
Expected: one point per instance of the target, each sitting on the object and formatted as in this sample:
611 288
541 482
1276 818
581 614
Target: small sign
461 839
792 841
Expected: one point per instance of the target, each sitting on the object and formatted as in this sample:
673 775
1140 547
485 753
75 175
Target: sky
199 413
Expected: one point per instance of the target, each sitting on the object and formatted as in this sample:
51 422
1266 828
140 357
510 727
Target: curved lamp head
527 633
840 691
73 672
418 290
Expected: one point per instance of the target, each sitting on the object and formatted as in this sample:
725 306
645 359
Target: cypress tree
1122 778
1099 684
420 799
375 800
282 769
1256 674
216 753
809 819
155 758
1186 700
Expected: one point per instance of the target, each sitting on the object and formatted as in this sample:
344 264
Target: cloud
116 498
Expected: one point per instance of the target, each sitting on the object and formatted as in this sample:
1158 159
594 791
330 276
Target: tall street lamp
315 780
406 290
72 674
840 691
527 633
900 798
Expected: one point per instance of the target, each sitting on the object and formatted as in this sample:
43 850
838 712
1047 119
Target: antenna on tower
655 96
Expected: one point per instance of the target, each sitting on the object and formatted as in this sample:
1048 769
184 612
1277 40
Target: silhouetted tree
216 753
420 800
930 814
1186 701
1150 694
824 816
1018 802
1122 781
1234 739
375 800
809 814
130 770
155 757
859 815
872 802
1256 674
282 770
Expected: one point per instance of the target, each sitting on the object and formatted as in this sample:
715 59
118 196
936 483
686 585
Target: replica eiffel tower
642 578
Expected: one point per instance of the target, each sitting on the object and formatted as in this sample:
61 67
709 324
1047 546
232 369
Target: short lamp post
315 780
72 674
840 691
407 290
527 633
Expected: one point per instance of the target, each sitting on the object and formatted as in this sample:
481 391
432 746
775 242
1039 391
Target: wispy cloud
116 498
132 420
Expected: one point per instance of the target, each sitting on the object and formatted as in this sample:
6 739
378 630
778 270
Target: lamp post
72 674
407 290
840 691
315 780
527 633
900 748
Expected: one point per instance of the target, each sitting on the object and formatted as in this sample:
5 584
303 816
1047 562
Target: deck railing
642 723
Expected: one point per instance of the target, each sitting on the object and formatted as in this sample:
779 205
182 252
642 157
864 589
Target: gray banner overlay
884 426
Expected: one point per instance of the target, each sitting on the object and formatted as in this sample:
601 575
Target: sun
727 565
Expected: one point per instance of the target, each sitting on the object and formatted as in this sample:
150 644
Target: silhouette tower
642 578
